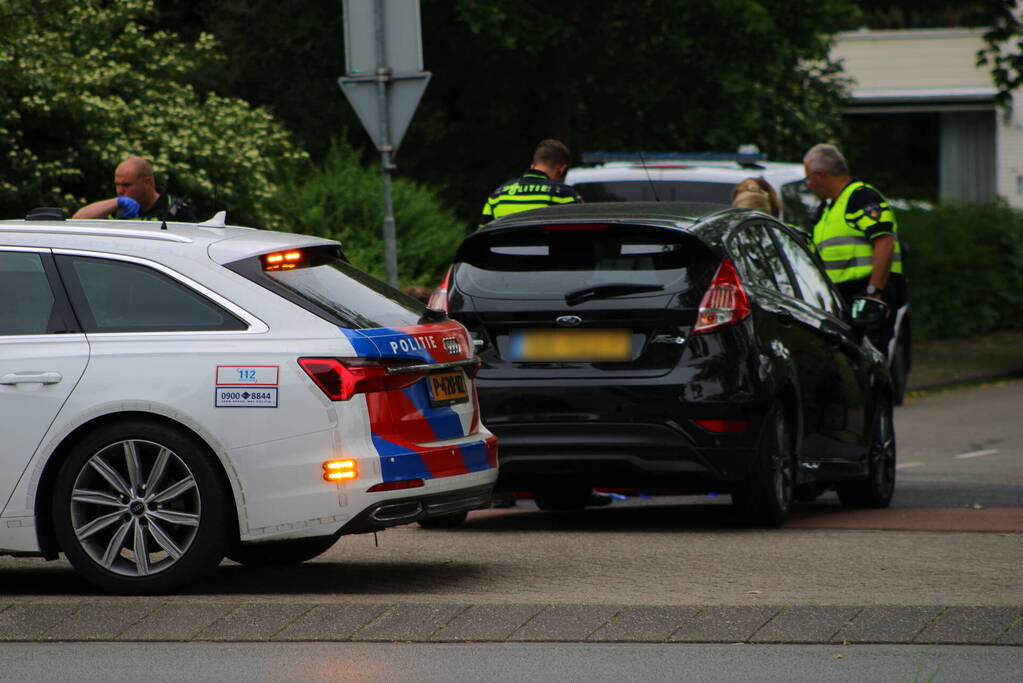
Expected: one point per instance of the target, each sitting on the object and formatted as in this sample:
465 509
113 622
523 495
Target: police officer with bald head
138 197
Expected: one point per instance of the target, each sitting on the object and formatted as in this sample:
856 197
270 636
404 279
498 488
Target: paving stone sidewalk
200 621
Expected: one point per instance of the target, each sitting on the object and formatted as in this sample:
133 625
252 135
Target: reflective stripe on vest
845 249
534 190
506 205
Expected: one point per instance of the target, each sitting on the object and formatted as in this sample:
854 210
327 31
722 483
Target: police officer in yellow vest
542 184
856 235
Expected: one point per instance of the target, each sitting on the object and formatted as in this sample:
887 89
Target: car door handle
31 378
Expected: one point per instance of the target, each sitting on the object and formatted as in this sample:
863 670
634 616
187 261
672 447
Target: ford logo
568 320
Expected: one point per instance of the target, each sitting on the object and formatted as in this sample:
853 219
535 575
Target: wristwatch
872 290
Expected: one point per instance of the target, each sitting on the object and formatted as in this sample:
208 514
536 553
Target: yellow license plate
571 345
447 388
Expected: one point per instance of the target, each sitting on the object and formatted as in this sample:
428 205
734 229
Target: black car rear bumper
618 455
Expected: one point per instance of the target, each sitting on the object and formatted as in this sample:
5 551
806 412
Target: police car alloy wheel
138 509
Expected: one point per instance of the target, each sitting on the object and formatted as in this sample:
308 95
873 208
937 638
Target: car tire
280 553
807 493
874 490
452 521
765 498
139 484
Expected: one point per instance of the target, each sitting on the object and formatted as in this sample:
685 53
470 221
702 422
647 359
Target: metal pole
383 77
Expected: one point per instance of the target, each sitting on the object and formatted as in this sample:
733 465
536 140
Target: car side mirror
866 312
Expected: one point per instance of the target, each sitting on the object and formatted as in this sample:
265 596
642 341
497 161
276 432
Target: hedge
964 264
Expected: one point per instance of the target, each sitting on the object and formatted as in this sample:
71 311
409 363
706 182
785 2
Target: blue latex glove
128 208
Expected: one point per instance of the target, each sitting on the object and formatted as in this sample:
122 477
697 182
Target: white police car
171 393
684 177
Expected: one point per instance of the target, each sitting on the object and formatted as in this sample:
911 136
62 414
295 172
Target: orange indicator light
340 470
281 260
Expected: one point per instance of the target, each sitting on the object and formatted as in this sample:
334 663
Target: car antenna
653 187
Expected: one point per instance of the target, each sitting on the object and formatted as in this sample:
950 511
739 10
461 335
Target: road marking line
976 454
907 465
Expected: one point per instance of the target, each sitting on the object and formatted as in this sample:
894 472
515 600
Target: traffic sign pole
384 85
383 74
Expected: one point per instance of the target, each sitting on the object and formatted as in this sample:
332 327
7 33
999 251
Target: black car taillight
724 426
725 302
342 378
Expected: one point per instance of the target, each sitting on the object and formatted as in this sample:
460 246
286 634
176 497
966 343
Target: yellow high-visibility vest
534 190
842 241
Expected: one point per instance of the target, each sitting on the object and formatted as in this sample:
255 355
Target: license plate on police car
571 345
447 388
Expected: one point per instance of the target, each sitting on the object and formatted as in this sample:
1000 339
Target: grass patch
965 360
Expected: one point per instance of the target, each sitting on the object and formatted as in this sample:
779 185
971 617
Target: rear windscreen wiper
432 315
608 290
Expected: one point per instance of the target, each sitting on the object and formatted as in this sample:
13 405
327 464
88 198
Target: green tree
291 70
343 200
1003 50
903 14
659 75
85 83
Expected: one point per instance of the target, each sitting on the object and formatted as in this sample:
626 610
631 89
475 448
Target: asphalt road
962 448
941 566
500 663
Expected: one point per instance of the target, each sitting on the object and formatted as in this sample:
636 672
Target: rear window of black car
550 261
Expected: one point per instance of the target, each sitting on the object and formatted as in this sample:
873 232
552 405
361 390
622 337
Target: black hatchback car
677 347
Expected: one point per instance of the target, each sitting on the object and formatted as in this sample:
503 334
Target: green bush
965 269
343 200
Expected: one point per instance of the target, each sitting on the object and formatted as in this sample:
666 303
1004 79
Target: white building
935 72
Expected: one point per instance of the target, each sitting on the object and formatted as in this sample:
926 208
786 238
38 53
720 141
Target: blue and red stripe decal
402 420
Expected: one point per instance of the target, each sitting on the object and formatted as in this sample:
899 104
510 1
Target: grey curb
197 621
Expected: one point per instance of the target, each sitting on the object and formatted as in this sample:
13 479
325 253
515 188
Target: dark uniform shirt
166 208
533 190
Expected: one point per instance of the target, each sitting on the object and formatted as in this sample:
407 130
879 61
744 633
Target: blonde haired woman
757 194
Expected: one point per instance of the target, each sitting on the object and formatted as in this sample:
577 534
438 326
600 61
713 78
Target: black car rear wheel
875 490
765 498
